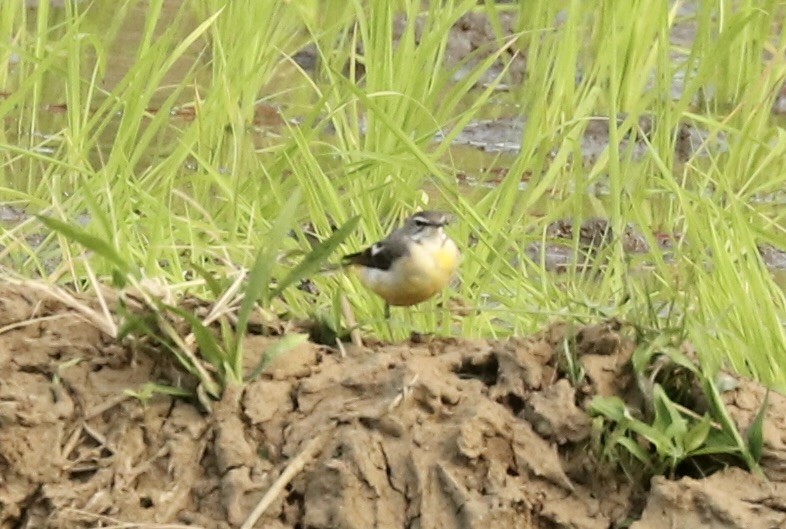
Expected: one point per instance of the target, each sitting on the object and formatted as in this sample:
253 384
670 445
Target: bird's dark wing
381 255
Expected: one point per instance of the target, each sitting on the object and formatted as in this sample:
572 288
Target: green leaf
667 418
718 442
681 359
208 345
89 241
210 280
610 407
756 430
697 436
258 288
635 449
721 414
97 213
642 356
660 439
313 261
132 323
147 325
718 410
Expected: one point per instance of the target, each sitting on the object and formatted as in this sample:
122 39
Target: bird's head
426 224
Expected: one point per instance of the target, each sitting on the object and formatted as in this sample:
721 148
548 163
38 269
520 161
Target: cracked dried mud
445 433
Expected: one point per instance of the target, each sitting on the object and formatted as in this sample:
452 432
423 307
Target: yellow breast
416 277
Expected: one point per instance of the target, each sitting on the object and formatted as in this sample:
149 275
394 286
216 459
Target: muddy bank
439 433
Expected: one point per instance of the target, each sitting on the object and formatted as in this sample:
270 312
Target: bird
412 264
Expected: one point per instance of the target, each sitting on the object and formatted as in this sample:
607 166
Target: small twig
19 324
690 413
132 473
342 351
226 301
98 436
292 469
108 327
117 524
71 443
97 410
406 389
101 301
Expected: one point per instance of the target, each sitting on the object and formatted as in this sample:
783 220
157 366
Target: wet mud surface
436 432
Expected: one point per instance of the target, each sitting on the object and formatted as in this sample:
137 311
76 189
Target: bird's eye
420 222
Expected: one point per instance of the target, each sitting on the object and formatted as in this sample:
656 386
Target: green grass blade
756 430
91 242
721 414
206 340
611 407
258 287
212 283
312 262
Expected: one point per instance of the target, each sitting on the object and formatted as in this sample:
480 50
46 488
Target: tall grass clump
654 88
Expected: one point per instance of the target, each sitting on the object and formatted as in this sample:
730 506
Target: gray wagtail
411 264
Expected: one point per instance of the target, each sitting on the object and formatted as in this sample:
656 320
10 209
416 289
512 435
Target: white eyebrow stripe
441 221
